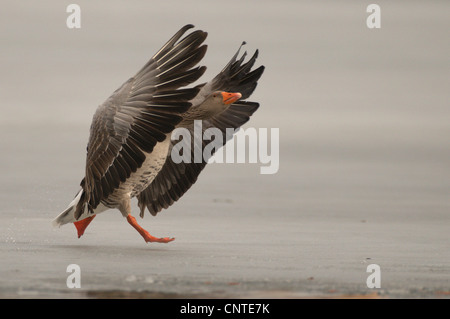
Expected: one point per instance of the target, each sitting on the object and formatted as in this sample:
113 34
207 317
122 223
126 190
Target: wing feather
175 179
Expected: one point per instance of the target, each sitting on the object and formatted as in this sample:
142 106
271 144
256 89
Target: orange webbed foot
145 234
81 225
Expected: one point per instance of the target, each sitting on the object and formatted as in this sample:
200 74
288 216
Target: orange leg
81 225
147 237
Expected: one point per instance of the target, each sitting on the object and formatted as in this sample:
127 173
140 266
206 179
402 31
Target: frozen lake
364 148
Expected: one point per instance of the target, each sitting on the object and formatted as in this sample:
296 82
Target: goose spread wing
140 114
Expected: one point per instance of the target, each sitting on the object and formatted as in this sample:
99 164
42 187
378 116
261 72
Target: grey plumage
140 114
128 152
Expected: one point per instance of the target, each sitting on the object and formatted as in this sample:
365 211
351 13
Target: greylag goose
129 147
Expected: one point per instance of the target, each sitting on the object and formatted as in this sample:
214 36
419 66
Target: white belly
141 179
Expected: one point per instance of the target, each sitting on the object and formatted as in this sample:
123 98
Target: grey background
364 152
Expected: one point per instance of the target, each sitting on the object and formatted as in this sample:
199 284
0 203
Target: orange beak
229 98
